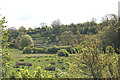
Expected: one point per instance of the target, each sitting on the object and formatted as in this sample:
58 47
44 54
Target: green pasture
42 60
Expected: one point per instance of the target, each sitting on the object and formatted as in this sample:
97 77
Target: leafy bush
63 52
27 50
52 50
70 49
25 41
40 50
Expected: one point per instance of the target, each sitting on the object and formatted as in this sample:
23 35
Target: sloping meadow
30 62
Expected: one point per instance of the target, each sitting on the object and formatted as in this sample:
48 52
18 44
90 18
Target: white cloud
30 13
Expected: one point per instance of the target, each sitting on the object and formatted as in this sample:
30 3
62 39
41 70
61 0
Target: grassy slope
16 55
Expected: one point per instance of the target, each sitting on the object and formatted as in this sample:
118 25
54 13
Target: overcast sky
30 13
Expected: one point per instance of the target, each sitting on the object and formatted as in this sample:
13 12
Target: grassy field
42 60
61 64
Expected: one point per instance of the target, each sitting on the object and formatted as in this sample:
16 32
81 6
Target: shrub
25 41
38 50
63 52
68 48
27 50
52 50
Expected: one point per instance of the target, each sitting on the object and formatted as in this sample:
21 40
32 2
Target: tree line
63 35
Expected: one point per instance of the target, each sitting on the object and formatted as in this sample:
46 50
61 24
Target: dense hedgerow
38 50
54 50
50 50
